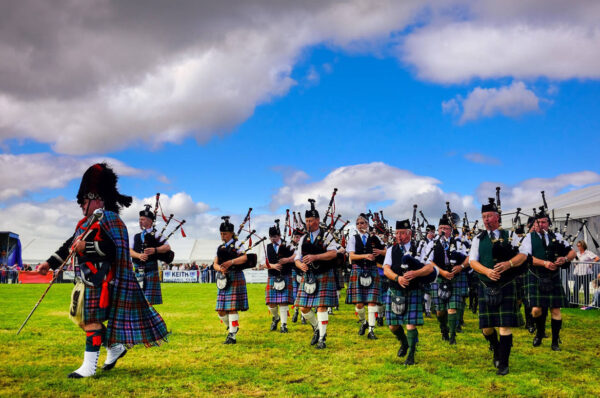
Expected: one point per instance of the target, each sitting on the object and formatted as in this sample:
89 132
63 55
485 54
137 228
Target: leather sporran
398 304
76 308
299 278
444 291
310 283
222 281
365 279
279 283
493 296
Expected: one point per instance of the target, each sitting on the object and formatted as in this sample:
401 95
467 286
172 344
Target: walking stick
98 214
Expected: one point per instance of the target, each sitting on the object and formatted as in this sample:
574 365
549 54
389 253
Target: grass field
263 363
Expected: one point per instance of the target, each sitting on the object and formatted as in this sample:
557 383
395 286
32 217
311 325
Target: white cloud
481 158
510 101
26 173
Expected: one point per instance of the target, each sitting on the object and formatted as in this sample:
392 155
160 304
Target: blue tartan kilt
92 313
235 297
295 284
324 296
360 294
503 315
414 309
456 301
286 296
554 299
152 287
385 285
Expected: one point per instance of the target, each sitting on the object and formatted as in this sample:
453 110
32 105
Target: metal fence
582 284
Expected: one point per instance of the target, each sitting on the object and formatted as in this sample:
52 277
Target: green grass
263 363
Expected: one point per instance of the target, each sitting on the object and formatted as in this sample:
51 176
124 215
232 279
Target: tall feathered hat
226 226
100 182
313 211
147 212
491 206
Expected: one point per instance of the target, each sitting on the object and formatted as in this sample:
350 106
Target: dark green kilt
414 308
460 289
536 298
503 315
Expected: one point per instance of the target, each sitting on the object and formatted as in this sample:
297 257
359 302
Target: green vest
485 253
537 247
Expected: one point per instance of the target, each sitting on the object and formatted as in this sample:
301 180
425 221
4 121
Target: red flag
183 233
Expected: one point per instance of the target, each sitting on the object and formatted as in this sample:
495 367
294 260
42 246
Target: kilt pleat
152 287
360 294
414 310
460 289
235 297
92 313
503 315
295 284
286 296
324 296
536 298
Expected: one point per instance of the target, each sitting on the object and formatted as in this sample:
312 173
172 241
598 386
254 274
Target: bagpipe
168 256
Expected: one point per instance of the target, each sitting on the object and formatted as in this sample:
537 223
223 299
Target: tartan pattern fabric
414 309
235 297
456 299
339 278
385 285
359 294
92 313
324 296
554 299
521 282
131 319
152 287
295 284
503 315
461 283
286 296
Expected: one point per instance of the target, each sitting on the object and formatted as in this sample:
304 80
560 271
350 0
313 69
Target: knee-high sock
427 302
93 342
372 312
461 314
399 333
274 312
492 339
413 336
381 311
234 323
443 320
225 320
310 318
556 325
361 313
504 347
452 323
323 318
540 324
283 314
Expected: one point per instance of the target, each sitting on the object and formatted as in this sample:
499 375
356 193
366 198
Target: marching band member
106 288
296 276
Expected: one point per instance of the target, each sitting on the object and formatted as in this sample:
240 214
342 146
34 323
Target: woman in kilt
496 310
544 288
364 284
232 295
279 292
405 305
315 257
105 287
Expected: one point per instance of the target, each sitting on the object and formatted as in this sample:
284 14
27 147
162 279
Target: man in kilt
406 275
105 287
430 234
491 256
549 252
451 286
296 276
364 284
279 292
231 283
144 254
316 256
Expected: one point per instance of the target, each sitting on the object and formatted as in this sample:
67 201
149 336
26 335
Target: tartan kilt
385 285
414 311
152 287
324 296
503 315
554 299
295 283
286 296
359 294
461 284
92 313
235 297
521 282
456 301
339 278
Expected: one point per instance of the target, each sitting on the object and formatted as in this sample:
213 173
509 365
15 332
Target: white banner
253 276
180 276
68 275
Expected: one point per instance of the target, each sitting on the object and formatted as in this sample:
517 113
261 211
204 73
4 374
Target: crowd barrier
581 283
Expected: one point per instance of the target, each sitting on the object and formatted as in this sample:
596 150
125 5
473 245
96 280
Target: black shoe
537 341
283 328
371 336
303 321
403 350
380 321
315 337
295 317
74 375
109 366
502 371
555 347
363 328
459 329
452 340
445 336
230 339
531 329
274 324
428 314
409 361
321 344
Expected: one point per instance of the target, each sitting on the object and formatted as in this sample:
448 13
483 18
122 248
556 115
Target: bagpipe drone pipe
161 239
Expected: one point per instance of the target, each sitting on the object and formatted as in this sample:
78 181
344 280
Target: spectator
3 273
583 272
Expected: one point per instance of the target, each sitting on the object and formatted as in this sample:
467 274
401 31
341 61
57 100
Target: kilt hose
414 308
324 296
555 298
152 287
503 315
285 296
235 296
359 294
460 289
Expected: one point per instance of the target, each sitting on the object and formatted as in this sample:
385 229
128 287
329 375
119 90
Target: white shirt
388 254
584 269
331 246
351 246
238 246
526 247
474 253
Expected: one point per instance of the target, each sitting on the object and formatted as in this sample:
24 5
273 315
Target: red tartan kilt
235 297
358 294
325 296
286 296
92 313
152 287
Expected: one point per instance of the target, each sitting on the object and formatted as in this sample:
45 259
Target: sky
222 106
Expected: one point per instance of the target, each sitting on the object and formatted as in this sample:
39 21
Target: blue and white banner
180 276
